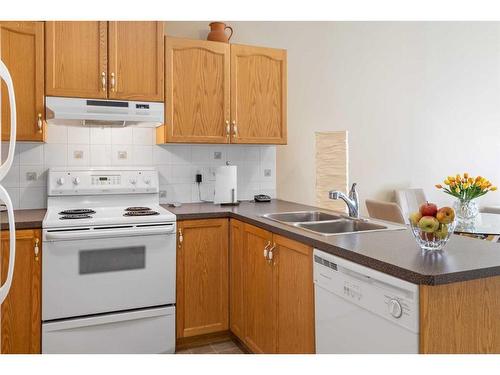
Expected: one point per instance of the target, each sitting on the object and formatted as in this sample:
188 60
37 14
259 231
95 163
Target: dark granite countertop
393 252
25 219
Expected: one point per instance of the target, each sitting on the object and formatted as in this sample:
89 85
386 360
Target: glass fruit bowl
430 238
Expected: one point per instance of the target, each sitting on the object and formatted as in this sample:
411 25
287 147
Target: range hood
98 112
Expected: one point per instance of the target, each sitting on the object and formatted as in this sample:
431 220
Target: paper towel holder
234 202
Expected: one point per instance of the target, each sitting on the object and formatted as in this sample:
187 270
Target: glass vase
466 210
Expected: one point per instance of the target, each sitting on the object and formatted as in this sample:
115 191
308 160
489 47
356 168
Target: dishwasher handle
109 233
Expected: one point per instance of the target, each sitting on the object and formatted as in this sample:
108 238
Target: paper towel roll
226 184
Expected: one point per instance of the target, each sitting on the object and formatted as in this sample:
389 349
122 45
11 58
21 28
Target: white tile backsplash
177 164
100 136
78 134
30 153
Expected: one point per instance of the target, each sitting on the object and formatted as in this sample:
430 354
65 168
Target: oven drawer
102 275
145 331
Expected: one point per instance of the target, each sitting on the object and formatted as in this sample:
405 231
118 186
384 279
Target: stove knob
76 180
395 308
133 181
60 181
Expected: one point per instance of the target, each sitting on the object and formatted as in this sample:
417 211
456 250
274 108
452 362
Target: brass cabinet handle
235 129
36 249
39 122
228 129
270 254
113 82
266 249
181 238
103 81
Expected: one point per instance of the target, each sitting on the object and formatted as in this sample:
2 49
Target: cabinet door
76 59
236 277
197 91
295 296
21 312
258 95
136 60
260 292
202 277
21 48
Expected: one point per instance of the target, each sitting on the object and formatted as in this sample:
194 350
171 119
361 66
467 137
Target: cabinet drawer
137 332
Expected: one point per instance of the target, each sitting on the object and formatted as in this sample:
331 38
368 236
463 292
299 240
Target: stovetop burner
141 213
75 216
133 209
77 211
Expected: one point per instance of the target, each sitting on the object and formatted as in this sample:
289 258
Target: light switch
217 155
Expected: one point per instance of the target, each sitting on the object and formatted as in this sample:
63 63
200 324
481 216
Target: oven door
98 270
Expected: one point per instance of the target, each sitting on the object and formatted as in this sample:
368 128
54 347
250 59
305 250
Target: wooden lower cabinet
260 309
272 302
202 277
295 298
21 310
462 317
236 287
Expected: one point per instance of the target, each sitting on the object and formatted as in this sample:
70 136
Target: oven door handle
109 233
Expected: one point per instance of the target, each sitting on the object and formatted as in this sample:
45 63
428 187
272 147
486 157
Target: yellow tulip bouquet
466 188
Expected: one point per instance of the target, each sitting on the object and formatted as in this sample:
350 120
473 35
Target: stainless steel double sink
329 224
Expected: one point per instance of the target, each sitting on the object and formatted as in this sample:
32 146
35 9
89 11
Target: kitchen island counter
392 252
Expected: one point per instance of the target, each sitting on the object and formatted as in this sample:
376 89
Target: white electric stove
108 264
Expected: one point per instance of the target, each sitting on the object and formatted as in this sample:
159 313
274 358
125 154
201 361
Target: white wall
420 100
177 164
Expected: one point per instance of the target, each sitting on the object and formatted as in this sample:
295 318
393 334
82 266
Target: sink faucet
352 200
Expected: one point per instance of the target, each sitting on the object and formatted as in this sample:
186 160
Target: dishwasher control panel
391 298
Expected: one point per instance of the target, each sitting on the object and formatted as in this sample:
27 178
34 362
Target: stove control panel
96 181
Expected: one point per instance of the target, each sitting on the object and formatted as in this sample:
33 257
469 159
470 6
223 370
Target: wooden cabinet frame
212 291
21 311
254 99
28 88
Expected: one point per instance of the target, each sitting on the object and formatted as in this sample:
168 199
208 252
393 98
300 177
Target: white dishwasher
359 310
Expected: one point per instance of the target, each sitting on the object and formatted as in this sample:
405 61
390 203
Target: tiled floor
224 347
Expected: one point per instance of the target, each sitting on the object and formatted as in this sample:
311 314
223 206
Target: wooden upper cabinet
202 277
295 296
21 49
260 293
236 278
21 310
135 53
258 95
197 91
76 58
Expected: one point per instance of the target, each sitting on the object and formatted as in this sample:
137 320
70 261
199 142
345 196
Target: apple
415 218
428 209
428 224
445 215
442 231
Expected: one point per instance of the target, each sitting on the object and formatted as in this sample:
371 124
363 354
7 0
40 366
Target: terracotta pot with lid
218 32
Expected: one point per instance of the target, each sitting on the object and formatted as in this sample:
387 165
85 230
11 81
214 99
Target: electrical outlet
78 154
31 176
267 173
122 154
217 155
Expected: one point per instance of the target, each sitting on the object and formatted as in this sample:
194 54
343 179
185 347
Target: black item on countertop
262 198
